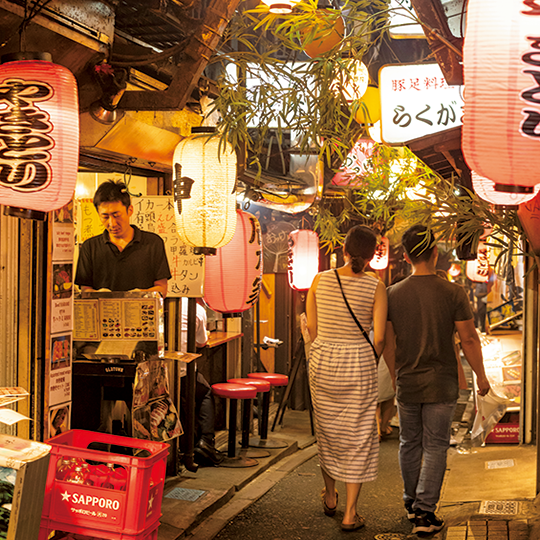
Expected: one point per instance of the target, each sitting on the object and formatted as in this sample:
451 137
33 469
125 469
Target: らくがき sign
416 101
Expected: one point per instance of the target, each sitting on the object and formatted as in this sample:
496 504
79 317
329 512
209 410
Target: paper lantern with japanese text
478 270
303 257
485 189
529 217
501 121
380 259
233 276
206 220
39 134
356 164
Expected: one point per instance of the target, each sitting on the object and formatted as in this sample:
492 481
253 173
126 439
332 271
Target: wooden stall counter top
218 338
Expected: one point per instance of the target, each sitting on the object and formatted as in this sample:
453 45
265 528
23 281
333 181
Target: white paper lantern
208 219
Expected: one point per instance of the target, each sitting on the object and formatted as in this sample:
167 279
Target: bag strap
354 316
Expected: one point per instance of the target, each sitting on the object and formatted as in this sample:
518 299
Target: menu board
112 319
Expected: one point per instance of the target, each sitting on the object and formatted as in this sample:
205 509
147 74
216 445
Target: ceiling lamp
233 277
501 121
206 221
380 259
325 33
485 189
39 134
478 270
280 6
303 257
369 108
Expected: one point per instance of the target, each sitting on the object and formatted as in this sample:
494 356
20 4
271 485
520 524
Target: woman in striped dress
343 372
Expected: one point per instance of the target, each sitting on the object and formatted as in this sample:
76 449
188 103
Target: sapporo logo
24 141
92 503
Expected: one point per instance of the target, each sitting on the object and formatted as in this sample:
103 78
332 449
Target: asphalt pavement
292 509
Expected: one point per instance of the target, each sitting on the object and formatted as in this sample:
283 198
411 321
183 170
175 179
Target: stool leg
246 417
263 424
231 447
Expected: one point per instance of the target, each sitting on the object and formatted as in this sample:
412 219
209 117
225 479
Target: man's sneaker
411 514
427 522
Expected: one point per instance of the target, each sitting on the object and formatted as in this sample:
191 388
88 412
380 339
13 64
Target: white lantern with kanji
303 256
478 270
501 120
39 134
380 259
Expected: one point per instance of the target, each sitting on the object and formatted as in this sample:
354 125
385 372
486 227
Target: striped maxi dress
343 379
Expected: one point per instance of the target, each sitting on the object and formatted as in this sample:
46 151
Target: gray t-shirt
423 310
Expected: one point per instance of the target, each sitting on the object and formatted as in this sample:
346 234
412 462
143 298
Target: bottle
86 472
77 476
98 474
63 469
109 484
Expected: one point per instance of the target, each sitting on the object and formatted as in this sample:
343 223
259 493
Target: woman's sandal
359 522
327 510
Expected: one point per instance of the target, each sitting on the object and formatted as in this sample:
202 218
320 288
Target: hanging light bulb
39 129
280 6
485 189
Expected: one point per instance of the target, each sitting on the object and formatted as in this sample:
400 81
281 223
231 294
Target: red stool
234 392
262 441
261 386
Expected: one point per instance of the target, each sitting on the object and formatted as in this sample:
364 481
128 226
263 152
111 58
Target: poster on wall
60 369
62 297
59 419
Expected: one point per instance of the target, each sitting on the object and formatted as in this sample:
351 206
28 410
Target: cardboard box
26 463
506 431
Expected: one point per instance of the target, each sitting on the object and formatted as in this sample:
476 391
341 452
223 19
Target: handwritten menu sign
156 214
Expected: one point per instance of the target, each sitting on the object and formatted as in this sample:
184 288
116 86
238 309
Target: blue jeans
424 439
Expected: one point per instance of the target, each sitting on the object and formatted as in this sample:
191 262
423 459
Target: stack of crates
129 513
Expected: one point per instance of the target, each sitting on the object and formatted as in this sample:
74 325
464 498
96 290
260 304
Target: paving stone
518 524
497 526
518 535
497 536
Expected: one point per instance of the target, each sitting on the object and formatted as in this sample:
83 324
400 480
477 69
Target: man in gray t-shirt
424 311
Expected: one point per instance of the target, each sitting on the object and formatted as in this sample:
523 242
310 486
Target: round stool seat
275 379
259 384
234 391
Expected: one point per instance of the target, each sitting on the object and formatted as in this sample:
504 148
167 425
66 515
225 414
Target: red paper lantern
455 269
233 276
39 134
303 258
478 270
501 121
380 259
485 189
529 216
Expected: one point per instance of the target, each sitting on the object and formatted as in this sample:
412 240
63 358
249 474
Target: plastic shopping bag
490 409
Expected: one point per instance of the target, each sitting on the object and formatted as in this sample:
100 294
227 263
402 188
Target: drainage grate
499 507
184 494
390 536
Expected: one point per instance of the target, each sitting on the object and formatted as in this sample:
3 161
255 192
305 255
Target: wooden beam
199 49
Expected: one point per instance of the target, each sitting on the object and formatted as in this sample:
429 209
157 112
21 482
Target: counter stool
262 441
233 392
261 386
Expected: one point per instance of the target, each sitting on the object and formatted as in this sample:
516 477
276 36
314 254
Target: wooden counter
219 338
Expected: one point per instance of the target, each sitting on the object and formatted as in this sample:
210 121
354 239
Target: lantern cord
127 177
29 14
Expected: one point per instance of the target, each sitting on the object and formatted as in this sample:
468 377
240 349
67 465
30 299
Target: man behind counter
122 258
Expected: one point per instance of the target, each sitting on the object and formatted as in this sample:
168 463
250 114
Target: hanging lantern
355 81
39 135
485 189
455 269
501 121
529 217
380 259
356 165
280 6
324 34
478 270
233 277
303 258
369 109
208 218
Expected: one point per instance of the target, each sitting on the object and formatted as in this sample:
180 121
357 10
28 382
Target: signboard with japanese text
416 101
156 214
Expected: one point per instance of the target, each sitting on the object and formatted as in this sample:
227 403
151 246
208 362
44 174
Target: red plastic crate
47 527
128 512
